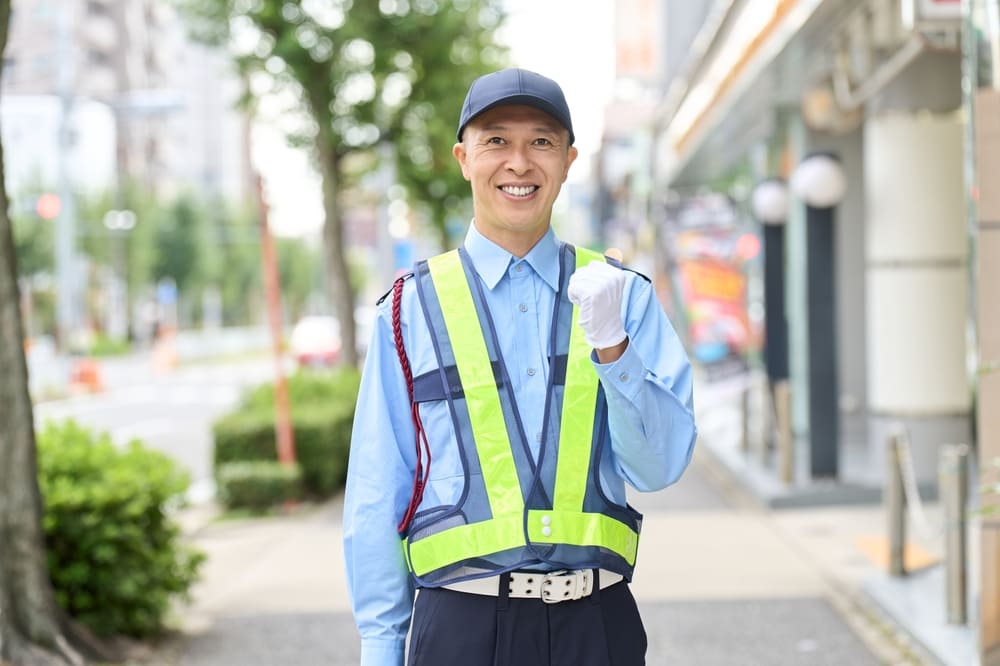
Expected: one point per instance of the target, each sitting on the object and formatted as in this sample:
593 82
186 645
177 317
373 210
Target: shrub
258 484
322 418
308 388
114 556
103 346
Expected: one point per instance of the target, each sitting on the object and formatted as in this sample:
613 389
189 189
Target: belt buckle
564 585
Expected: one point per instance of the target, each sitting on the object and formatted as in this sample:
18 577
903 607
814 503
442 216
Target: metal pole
65 241
282 407
895 502
824 414
954 478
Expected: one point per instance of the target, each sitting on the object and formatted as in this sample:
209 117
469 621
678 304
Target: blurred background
207 198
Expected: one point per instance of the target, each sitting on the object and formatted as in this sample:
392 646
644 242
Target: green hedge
115 558
258 484
322 406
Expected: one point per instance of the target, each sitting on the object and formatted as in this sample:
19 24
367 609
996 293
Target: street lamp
769 204
819 181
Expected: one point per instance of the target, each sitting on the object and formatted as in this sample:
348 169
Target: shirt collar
491 260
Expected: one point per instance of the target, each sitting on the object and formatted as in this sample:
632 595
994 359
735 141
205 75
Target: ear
571 155
458 150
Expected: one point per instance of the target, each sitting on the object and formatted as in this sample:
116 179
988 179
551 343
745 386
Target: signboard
930 13
637 39
708 254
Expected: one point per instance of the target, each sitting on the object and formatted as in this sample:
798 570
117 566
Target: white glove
597 289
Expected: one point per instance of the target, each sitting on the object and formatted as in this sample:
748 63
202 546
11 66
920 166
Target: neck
518 244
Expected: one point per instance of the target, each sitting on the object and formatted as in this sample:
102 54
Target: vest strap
476 372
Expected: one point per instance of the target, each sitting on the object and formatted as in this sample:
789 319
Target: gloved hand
597 289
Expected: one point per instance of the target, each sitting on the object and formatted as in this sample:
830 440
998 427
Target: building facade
172 101
890 285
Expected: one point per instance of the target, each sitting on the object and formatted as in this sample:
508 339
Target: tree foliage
363 74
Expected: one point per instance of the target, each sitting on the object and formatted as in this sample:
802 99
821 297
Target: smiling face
516 158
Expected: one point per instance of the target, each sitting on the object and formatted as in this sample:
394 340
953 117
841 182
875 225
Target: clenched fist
597 289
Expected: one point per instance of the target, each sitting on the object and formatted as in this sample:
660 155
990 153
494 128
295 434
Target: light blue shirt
650 418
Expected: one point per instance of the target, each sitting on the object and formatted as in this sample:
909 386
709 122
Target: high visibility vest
515 511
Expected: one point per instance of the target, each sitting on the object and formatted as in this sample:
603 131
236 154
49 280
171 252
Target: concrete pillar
916 256
987 279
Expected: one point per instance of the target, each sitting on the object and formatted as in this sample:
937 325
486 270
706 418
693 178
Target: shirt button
538 437
531 372
547 531
623 377
522 307
546 520
518 267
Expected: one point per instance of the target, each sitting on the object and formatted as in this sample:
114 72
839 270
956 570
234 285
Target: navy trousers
461 629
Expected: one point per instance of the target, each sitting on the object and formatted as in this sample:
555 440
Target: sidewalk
721 581
842 529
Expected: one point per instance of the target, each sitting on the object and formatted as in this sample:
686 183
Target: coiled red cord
422 446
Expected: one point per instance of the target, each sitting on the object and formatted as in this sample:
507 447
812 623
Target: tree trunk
29 625
338 277
30 631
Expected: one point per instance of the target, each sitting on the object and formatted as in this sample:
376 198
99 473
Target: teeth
519 191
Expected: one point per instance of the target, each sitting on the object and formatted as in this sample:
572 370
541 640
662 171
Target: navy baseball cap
515 86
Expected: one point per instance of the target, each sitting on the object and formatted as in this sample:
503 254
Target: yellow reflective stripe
481 397
576 428
464 541
583 529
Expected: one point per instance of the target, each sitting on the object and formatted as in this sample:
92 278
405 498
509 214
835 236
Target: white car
315 341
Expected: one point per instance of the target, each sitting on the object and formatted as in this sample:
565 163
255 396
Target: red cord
420 473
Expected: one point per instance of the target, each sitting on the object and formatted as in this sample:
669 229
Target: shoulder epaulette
617 264
626 268
402 278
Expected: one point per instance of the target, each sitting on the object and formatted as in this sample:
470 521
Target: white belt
551 587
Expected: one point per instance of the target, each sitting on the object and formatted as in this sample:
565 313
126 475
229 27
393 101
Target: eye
542 142
495 140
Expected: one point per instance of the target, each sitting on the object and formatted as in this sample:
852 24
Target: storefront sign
917 13
708 255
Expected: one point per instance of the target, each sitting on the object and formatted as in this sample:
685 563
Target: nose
517 160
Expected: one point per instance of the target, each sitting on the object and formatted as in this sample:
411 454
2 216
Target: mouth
519 191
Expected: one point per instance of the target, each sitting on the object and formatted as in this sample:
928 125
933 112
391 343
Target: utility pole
66 283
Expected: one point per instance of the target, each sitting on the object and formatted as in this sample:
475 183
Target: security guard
512 388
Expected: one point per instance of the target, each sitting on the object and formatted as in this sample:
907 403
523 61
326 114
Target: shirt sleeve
649 395
379 481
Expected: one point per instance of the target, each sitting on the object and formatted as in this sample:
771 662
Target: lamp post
819 181
118 223
769 203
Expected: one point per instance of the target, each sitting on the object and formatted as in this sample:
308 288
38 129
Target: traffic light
48 206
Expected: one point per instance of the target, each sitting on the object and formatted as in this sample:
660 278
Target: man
511 389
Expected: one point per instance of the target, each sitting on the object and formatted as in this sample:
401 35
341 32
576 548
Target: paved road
171 412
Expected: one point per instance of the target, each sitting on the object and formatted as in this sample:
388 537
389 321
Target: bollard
895 502
783 422
745 419
954 479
